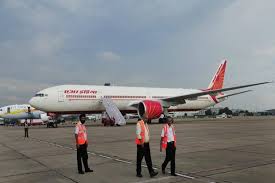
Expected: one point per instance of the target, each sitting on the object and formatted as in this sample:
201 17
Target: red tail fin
217 81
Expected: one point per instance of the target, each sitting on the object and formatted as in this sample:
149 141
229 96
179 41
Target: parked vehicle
223 115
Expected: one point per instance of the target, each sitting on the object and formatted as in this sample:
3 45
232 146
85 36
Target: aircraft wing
181 99
232 94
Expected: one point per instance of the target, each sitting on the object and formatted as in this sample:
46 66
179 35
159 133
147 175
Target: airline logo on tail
217 81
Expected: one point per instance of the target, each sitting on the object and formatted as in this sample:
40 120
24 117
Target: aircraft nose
33 102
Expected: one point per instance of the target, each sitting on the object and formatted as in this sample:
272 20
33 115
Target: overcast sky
154 43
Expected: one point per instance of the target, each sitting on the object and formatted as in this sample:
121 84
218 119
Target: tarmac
240 150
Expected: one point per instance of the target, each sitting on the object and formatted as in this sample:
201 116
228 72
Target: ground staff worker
143 148
168 142
26 128
81 145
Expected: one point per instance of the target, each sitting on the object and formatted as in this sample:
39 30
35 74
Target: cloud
17 85
14 90
174 43
46 45
108 56
269 52
42 45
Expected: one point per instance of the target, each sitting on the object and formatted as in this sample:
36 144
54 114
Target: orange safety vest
165 138
142 133
82 134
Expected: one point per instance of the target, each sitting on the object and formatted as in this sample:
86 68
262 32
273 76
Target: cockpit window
39 95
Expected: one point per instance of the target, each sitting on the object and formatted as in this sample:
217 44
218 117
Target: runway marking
27 173
123 161
107 157
185 176
154 180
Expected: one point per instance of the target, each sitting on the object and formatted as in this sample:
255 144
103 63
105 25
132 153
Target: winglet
218 78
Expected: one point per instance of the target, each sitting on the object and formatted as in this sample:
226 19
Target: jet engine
149 109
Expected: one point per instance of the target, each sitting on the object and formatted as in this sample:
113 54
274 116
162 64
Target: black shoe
89 170
80 172
139 175
153 174
173 174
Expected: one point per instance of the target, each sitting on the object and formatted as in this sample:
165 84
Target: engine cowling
44 117
149 109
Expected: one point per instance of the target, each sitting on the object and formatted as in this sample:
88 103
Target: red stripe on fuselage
122 111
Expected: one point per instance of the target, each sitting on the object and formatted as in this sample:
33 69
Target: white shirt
170 135
146 132
76 131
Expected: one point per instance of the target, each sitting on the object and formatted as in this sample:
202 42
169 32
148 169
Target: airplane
149 103
23 111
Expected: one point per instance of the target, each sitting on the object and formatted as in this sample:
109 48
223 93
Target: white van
223 115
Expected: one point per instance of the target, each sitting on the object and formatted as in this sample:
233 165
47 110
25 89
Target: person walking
168 142
143 148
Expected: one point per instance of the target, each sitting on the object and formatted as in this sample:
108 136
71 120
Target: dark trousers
170 156
82 154
144 151
26 132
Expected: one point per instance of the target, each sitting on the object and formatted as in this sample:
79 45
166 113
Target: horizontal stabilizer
232 94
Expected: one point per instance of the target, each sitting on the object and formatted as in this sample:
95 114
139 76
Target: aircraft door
61 96
8 110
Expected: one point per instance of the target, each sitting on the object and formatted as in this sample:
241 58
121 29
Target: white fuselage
87 98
